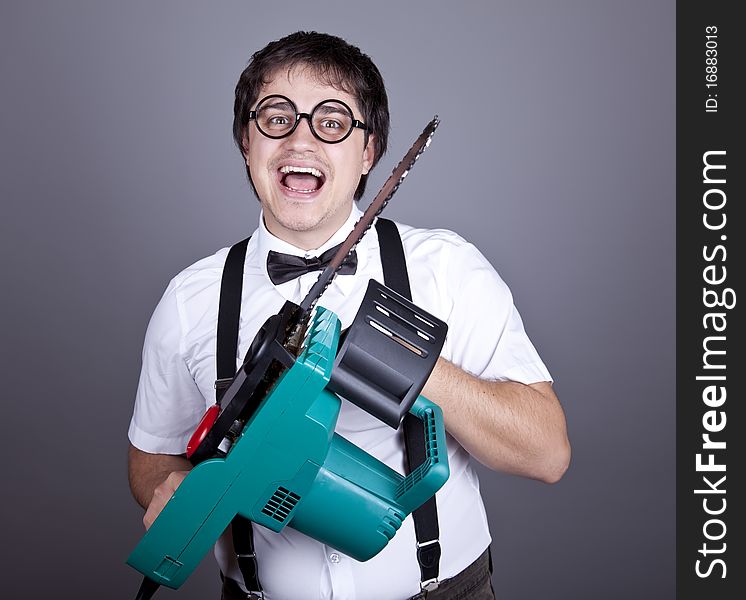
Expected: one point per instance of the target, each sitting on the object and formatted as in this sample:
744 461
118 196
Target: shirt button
334 557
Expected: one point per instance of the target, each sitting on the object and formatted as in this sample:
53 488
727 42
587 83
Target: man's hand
161 495
154 478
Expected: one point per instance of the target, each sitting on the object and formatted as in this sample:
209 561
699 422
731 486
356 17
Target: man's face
302 208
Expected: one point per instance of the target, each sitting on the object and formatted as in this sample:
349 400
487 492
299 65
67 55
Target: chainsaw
267 450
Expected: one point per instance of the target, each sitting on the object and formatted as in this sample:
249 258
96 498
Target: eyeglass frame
356 123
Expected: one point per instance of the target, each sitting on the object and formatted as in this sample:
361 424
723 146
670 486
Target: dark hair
335 63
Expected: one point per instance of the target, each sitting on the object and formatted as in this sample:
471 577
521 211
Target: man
311 120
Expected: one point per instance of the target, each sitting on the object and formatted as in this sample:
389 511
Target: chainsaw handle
425 479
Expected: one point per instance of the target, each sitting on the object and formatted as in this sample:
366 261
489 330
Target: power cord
147 589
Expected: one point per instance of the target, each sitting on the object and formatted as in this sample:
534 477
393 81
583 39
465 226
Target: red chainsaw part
208 420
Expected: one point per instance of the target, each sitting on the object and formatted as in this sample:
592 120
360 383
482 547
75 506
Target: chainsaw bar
376 207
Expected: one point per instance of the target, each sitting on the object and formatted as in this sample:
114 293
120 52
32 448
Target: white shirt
451 280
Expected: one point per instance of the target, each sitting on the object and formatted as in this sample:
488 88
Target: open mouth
301 180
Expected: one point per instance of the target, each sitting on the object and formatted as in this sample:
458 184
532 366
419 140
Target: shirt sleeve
486 336
168 404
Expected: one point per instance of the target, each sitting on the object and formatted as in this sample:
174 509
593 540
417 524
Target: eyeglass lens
276 117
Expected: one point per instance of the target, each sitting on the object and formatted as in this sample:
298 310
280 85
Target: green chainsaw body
289 468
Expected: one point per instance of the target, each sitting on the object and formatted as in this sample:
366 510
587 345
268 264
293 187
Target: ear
245 147
369 153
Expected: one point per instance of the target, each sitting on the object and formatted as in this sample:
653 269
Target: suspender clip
428 555
221 384
429 585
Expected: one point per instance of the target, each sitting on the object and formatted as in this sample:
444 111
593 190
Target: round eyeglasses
331 121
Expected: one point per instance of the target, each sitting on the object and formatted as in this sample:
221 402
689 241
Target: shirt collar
266 241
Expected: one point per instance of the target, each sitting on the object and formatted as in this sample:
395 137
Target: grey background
555 157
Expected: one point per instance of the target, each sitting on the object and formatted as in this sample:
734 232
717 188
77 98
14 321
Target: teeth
292 169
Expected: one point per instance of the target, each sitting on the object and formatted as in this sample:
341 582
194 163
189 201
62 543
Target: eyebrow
281 104
328 109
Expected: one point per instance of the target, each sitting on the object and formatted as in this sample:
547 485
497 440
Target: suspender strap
393 260
243 546
229 314
425 517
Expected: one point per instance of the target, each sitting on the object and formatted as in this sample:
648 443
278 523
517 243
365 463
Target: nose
302 136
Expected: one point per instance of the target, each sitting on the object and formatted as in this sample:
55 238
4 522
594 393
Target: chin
299 221
308 213
300 215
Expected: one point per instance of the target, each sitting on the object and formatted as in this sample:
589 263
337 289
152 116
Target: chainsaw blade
375 208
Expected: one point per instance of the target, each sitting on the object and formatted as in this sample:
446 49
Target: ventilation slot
280 504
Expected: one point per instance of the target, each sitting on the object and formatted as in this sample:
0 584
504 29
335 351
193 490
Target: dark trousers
473 583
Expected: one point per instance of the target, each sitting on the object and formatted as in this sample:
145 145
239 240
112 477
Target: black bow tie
286 267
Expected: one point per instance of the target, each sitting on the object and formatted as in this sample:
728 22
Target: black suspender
396 277
229 315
